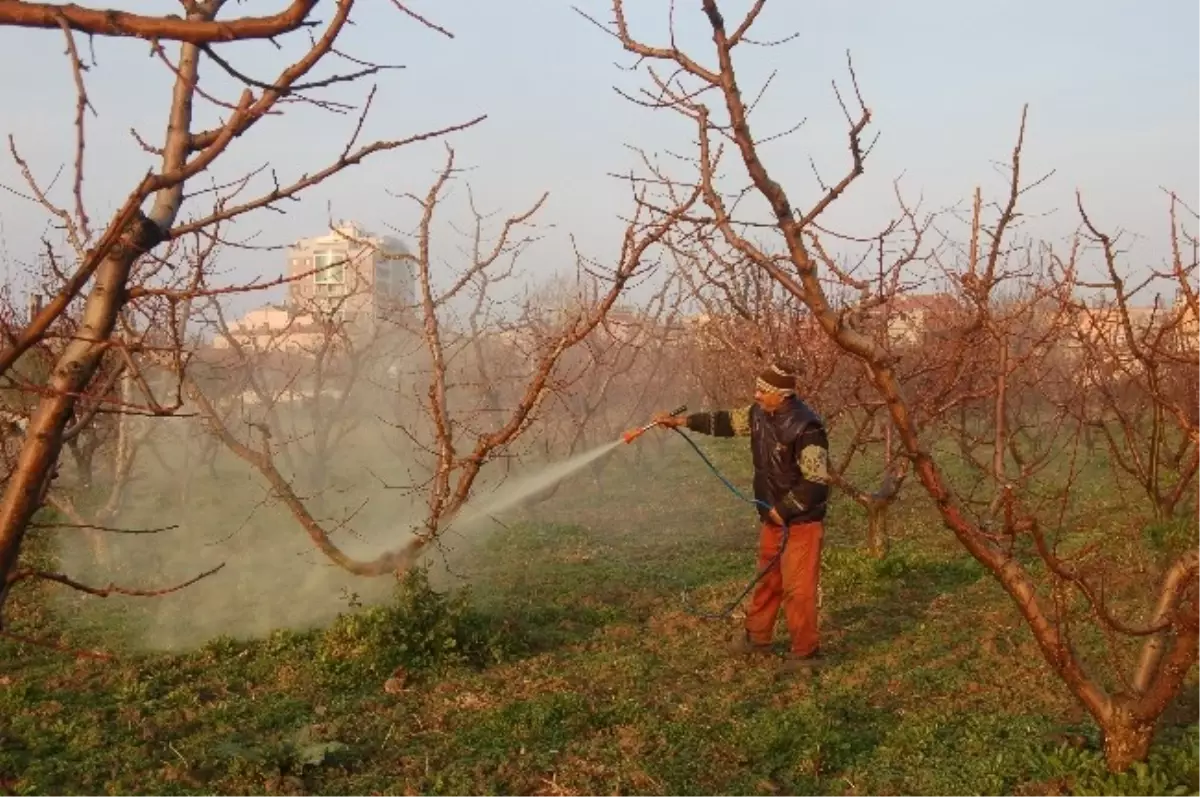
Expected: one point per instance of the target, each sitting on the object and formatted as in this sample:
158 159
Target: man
790 451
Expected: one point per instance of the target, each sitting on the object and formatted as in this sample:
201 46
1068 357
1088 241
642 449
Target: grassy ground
572 665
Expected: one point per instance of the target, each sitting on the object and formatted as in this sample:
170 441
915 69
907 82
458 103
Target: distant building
351 273
1099 341
348 275
274 327
909 316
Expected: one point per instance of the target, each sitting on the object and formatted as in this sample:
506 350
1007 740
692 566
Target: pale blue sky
1112 87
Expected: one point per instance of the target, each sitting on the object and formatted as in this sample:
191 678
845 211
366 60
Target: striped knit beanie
777 379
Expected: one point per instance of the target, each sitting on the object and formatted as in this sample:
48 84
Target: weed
422 631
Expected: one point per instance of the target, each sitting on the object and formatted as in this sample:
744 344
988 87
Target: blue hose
728 610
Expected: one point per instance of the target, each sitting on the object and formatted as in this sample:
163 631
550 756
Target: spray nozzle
634 434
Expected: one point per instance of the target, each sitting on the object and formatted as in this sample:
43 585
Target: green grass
571 665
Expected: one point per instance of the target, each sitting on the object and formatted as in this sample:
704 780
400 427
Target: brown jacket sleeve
721 423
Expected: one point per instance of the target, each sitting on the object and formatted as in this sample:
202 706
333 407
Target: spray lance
634 434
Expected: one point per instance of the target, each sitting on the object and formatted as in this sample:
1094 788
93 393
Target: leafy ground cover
567 661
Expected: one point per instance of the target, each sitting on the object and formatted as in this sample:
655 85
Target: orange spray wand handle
634 434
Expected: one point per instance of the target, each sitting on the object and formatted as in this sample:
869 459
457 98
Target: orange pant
792 582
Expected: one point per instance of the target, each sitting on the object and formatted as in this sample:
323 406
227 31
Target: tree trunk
1195 508
123 456
82 454
1154 466
318 474
26 488
961 439
877 528
1127 738
209 453
1001 418
1164 507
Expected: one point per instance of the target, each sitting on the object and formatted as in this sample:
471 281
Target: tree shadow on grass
563 609
854 731
896 597
1184 710
555 585
535 629
799 748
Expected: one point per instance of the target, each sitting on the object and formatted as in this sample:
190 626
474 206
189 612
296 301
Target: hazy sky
1112 88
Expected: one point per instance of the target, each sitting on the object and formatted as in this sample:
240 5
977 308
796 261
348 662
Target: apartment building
350 273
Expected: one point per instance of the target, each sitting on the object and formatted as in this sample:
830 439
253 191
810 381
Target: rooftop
342 231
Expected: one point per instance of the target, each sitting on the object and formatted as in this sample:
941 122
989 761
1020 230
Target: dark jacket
790 451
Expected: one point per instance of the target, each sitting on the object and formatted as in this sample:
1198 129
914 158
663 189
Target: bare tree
1139 361
749 319
631 364
114 271
1127 711
456 438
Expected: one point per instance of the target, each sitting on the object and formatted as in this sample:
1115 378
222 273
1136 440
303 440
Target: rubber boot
742 646
802 665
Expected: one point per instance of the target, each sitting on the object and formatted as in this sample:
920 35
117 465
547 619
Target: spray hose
783 541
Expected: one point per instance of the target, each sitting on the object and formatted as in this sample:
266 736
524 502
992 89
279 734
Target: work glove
669 421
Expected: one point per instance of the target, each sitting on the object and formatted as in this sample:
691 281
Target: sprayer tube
629 437
774 561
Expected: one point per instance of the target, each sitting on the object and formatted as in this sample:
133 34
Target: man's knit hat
779 378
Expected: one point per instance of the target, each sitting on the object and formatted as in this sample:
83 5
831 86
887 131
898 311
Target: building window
331 268
383 278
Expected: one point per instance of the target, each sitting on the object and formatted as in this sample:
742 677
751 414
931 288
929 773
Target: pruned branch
109 22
